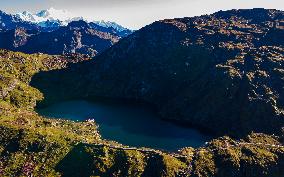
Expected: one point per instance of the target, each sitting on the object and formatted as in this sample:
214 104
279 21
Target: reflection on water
128 124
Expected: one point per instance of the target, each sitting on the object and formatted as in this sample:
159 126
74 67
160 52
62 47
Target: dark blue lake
129 124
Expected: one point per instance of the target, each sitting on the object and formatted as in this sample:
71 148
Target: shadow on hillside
77 163
57 85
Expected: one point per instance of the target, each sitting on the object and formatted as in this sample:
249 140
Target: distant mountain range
56 32
53 17
8 22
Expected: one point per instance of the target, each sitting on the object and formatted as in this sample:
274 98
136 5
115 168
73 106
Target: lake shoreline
128 123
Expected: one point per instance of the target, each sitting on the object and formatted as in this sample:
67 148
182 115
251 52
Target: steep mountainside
221 72
77 37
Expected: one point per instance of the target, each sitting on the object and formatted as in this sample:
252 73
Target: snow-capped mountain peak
56 17
46 15
43 14
54 14
110 24
26 16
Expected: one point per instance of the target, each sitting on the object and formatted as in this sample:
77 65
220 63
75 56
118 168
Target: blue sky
136 13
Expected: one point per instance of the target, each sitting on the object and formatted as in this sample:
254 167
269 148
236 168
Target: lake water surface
129 124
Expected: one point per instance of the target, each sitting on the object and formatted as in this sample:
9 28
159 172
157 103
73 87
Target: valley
134 107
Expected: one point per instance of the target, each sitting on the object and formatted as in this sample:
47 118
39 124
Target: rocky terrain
220 72
31 145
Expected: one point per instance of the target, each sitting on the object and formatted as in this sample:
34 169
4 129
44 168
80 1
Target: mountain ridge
33 36
77 37
8 22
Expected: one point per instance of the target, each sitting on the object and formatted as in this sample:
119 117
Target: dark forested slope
221 72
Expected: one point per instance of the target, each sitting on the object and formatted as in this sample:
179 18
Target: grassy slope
30 144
